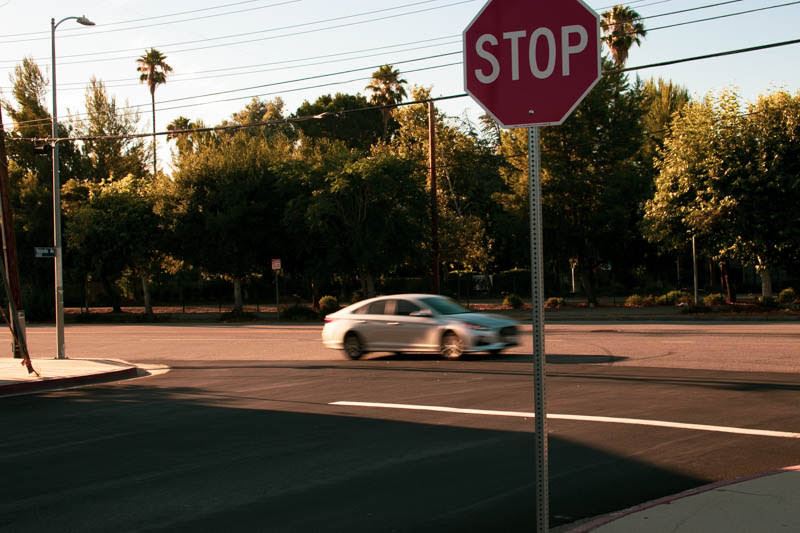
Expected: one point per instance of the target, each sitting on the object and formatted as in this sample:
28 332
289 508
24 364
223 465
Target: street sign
276 264
531 62
45 251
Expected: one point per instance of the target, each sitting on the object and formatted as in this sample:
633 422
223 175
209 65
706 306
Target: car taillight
329 319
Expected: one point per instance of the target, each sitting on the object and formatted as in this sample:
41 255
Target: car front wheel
452 346
353 349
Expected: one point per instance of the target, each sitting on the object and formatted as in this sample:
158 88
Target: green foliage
787 296
730 178
109 228
300 313
768 302
663 100
593 183
325 120
517 281
622 28
637 300
110 158
714 299
226 206
674 298
513 301
554 303
328 304
365 215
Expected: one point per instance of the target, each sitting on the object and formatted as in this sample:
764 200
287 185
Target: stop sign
531 62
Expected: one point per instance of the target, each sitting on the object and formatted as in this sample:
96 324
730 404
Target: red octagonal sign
531 62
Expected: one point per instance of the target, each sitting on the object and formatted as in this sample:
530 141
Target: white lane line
606 419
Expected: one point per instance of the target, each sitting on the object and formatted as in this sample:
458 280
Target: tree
271 112
190 141
328 118
153 70
110 229
730 179
112 152
31 178
468 178
592 179
367 214
387 89
662 101
226 207
622 28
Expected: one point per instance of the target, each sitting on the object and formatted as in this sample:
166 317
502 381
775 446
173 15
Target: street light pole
59 277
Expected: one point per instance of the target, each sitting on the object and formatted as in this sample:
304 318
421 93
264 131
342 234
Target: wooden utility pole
434 202
9 263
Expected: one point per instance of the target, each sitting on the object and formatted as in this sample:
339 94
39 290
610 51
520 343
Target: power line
627 69
155 17
231 36
276 68
652 29
82 84
371 49
151 25
728 15
460 95
690 9
710 56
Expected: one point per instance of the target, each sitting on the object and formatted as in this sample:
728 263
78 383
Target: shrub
674 298
513 301
327 305
637 300
714 299
787 296
553 303
299 313
769 302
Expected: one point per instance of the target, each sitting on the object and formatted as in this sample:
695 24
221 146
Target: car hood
483 319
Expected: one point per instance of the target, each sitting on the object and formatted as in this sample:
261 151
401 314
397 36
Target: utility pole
10 269
434 202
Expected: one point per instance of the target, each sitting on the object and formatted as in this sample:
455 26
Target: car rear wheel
353 349
452 346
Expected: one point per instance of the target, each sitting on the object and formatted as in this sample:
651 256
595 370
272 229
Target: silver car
416 323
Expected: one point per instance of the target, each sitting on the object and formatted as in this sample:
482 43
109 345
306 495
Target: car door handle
361 322
393 323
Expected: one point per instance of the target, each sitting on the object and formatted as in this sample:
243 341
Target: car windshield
444 306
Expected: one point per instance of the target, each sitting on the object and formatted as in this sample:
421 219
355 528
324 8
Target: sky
224 52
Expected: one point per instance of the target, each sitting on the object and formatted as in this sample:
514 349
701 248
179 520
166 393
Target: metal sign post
529 64
537 316
276 268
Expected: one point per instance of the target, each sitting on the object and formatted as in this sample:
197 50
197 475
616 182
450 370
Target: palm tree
387 89
153 70
622 28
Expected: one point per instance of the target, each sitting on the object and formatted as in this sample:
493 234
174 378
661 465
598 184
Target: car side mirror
422 312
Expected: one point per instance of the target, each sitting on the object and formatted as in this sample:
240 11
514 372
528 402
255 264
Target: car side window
361 310
405 308
377 308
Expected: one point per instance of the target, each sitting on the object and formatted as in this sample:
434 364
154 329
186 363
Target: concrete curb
44 385
594 523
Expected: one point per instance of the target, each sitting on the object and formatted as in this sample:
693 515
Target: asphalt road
747 347
248 431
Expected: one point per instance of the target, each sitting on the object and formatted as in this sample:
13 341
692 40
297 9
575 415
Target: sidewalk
767 502
59 374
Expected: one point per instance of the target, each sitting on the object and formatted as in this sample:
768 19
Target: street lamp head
83 20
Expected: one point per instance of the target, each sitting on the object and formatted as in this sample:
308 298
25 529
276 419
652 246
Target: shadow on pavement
135 458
